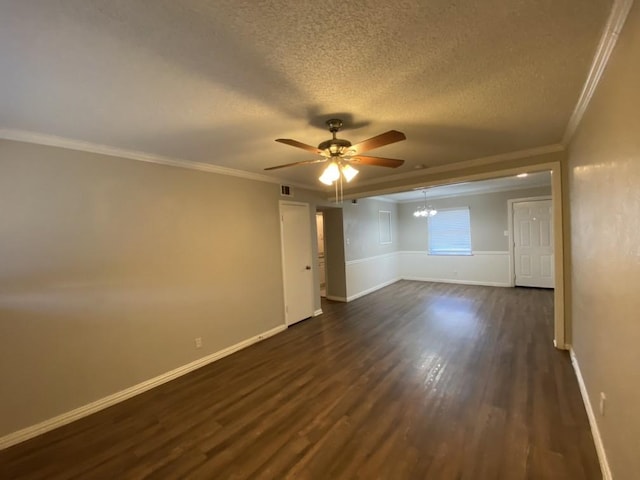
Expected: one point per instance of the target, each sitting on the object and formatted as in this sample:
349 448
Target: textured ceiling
218 81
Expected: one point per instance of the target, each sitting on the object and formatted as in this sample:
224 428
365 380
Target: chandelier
425 210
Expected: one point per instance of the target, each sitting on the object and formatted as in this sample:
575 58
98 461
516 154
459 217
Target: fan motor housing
335 145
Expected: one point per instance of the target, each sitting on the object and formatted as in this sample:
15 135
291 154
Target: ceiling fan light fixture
348 172
338 153
330 174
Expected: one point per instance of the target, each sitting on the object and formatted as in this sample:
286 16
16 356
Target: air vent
286 191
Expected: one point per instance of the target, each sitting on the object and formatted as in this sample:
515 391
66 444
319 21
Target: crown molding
82 146
615 22
476 162
79 145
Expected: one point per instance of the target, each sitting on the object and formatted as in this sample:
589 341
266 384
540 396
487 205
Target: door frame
326 279
314 272
512 260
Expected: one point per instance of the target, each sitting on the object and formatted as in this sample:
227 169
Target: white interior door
297 261
533 243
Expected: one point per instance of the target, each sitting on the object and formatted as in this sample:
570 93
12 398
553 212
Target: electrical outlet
198 342
603 401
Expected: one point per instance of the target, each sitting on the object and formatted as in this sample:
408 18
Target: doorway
322 271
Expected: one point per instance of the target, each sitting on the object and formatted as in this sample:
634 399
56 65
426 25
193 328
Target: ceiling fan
341 154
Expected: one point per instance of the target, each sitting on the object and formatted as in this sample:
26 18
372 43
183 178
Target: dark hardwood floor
415 381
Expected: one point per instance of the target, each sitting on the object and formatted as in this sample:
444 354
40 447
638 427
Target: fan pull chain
340 197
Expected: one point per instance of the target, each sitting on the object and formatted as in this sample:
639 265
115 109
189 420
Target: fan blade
295 143
378 161
294 164
392 136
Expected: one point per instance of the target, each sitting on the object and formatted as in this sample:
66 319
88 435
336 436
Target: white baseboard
564 346
595 431
85 410
317 312
336 299
458 282
372 289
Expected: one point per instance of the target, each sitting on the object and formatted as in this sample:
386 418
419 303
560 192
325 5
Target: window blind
450 232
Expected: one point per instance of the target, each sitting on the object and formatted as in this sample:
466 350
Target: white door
297 261
533 243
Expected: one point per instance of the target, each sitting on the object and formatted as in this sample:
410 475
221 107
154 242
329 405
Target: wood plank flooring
415 381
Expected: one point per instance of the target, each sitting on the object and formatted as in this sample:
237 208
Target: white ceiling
217 81
539 179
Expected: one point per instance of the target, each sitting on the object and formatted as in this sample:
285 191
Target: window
450 232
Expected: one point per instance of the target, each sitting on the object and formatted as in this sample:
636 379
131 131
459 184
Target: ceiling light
425 210
336 171
348 172
522 175
330 174
333 170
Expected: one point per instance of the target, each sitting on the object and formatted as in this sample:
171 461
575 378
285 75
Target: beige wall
488 217
109 268
361 228
604 173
